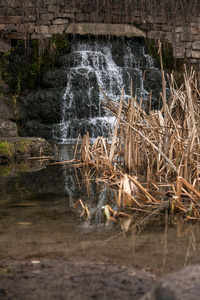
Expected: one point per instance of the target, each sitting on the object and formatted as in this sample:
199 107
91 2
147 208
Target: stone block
30 18
17 36
82 17
188 53
60 21
179 52
193 61
46 17
195 30
180 29
54 29
53 8
197 38
41 29
41 10
94 16
70 9
196 54
2 26
186 37
196 45
64 15
40 36
26 28
29 11
156 35
50 2
160 20
10 28
104 29
15 3
11 19
43 23
150 19
169 36
3 3
29 3
5 45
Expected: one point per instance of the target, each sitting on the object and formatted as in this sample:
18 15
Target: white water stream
93 64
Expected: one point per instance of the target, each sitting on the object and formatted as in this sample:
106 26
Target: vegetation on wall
21 67
171 9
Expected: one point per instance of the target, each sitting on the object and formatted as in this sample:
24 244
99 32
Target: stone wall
34 19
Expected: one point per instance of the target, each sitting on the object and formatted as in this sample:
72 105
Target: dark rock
42 105
4 88
55 78
6 108
8 128
35 128
182 285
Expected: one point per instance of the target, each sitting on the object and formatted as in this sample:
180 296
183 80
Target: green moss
23 147
170 64
23 65
61 44
5 149
167 53
5 170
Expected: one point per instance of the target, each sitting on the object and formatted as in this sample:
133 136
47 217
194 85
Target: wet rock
4 88
153 82
182 285
70 97
42 105
6 108
17 148
55 78
8 128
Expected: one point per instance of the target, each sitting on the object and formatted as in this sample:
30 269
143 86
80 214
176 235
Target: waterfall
110 65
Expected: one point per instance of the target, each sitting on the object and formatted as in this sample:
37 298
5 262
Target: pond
37 220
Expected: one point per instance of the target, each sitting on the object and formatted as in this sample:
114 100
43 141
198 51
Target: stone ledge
11 19
105 29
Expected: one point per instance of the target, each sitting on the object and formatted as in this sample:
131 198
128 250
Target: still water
37 220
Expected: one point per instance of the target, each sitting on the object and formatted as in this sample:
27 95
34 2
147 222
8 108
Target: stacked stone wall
36 19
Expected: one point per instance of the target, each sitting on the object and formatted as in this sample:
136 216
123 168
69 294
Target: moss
170 64
23 65
6 149
5 170
23 147
61 44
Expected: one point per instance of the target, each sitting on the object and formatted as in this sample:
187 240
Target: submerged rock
182 285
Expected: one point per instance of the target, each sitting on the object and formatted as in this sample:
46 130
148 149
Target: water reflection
37 220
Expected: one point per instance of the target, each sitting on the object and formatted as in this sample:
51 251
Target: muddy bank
59 279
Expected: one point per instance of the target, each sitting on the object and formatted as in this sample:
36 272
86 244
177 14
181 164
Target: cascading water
108 65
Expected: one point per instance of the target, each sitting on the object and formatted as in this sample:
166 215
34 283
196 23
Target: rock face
69 102
182 285
8 126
